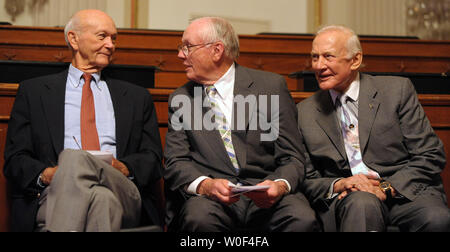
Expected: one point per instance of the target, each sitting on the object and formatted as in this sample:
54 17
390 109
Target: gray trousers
291 214
362 212
87 194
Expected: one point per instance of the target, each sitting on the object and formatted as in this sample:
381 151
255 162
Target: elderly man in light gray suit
373 158
203 162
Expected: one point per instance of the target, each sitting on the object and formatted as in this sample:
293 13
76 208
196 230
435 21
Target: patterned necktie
222 126
350 132
89 134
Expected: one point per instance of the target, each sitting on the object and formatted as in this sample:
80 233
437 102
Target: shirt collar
225 85
76 75
352 91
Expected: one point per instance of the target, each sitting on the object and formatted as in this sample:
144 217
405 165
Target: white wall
367 17
117 9
58 12
281 16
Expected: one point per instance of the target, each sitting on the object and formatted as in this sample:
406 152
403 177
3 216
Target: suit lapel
53 99
328 121
242 87
368 108
123 112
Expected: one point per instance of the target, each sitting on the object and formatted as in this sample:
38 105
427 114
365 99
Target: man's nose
181 55
319 64
109 43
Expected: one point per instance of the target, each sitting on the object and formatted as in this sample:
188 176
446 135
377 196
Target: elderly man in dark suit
56 186
373 158
217 140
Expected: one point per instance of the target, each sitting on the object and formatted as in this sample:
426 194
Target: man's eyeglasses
186 49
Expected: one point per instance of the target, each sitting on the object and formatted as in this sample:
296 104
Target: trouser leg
292 213
200 214
361 212
105 211
74 191
427 213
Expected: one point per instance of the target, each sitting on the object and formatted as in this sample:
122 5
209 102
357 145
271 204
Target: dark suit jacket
36 137
190 154
396 139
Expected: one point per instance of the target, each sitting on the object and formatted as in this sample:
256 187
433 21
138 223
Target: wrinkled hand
361 183
266 199
47 175
120 167
218 190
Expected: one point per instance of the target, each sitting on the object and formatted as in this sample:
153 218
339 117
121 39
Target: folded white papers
102 155
239 189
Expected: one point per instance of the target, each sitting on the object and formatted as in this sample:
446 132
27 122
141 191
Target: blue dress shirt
104 111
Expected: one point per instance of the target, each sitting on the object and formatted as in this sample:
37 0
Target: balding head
208 50
91 35
219 29
82 19
352 43
336 58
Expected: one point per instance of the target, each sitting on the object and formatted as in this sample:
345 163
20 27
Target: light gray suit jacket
190 154
396 139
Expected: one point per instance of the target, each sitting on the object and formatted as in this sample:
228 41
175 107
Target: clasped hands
361 183
47 175
220 190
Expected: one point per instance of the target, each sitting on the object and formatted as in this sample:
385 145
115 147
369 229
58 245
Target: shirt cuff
192 188
287 183
330 193
40 183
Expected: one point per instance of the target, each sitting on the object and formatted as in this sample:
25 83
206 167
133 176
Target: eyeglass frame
186 48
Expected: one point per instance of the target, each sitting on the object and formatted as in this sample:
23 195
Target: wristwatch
386 187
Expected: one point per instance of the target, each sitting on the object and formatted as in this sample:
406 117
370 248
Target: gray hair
222 30
72 25
353 43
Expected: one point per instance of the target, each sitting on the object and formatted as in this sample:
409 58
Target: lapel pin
371 106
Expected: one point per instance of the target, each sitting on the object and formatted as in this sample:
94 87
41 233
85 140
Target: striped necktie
222 126
349 125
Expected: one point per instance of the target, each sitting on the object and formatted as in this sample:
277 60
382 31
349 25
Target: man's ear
218 51
357 61
73 39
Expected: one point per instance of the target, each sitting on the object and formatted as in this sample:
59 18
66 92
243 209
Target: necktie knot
87 78
211 90
343 99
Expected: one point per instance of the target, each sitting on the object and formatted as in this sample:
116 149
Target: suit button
38 195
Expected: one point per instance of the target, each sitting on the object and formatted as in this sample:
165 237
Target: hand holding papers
240 189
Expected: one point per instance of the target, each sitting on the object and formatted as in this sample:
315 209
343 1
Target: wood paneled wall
274 53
